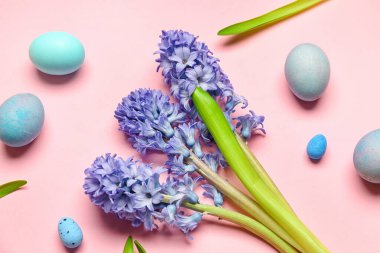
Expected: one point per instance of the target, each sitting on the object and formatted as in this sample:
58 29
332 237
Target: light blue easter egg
69 232
21 119
367 157
316 147
57 53
307 70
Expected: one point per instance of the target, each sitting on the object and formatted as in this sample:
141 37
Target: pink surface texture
120 37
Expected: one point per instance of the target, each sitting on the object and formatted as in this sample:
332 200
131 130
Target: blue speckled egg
21 119
307 70
316 147
69 232
57 53
367 157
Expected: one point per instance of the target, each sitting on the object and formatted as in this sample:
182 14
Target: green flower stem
241 200
243 221
220 129
263 174
261 171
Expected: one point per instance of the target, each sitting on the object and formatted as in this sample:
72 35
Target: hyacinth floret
212 161
250 123
176 146
212 193
188 223
181 189
187 132
177 166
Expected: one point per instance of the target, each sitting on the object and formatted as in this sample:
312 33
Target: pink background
120 37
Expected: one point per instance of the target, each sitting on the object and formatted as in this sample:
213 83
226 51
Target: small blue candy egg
57 53
367 157
316 147
69 232
21 119
307 70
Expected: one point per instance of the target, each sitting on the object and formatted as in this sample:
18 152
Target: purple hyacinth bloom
191 61
233 101
202 77
170 188
176 146
204 133
197 149
167 214
212 161
183 92
147 116
186 185
183 58
181 189
115 185
178 166
147 193
165 64
188 223
212 193
187 63
222 161
132 191
249 123
187 132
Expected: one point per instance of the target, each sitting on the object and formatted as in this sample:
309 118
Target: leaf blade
139 247
10 187
128 248
270 17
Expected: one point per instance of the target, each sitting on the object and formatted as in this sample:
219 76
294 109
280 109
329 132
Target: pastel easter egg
367 157
307 70
316 147
57 53
69 232
21 119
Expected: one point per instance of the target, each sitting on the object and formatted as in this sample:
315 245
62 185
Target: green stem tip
270 17
10 187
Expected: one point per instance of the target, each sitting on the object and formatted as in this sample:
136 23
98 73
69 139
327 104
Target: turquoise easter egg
316 147
69 232
367 157
21 119
307 71
57 53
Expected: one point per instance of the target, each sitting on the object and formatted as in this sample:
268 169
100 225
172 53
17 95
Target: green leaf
10 187
128 248
139 247
270 17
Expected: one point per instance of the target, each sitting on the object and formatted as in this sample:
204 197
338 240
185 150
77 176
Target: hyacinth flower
138 115
206 93
132 190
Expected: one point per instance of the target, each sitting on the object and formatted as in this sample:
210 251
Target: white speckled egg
367 157
70 233
307 70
